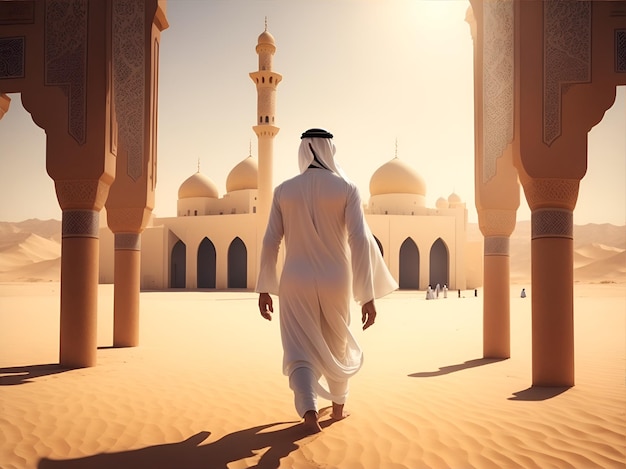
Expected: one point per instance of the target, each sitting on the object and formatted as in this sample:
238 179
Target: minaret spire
396 154
198 164
266 81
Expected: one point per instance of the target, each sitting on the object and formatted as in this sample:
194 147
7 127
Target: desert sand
204 389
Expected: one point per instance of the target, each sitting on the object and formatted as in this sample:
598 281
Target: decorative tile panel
65 44
552 223
620 51
129 31
12 57
80 224
566 57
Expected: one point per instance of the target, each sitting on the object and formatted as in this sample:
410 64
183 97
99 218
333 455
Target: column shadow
192 454
538 393
16 375
444 370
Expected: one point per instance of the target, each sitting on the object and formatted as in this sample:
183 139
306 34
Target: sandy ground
204 389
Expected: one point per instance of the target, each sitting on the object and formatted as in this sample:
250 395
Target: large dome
396 177
243 176
197 185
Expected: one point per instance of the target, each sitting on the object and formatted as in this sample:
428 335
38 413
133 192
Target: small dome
197 185
266 38
441 203
454 199
396 177
243 176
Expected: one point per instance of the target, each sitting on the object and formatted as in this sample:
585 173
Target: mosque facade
214 242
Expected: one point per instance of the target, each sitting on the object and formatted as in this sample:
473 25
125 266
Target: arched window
178 265
439 264
409 265
206 264
271 79
267 119
237 264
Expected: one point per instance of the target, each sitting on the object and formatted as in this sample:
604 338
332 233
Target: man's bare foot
311 422
338 413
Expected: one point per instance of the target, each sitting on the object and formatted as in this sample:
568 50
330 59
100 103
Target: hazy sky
372 72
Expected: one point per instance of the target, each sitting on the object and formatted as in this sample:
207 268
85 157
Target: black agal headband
316 133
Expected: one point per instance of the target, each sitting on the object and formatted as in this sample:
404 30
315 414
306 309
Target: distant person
437 290
523 293
327 242
429 293
445 290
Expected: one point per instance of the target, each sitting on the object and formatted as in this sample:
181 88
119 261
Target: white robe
327 243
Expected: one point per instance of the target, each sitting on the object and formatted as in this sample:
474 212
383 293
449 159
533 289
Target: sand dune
20 249
204 389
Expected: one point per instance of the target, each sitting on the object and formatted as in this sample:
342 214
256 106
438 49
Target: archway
206 264
178 265
439 264
409 265
237 264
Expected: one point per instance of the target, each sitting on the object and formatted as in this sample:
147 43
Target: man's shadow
16 375
190 454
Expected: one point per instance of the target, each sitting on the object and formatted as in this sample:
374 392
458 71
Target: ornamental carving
552 223
496 246
551 192
620 51
127 242
65 43
81 193
12 57
498 82
566 57
496 222
80 224
127 220
129 56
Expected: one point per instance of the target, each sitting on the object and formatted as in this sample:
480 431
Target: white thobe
327 243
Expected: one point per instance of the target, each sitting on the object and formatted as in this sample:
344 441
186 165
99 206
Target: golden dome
396 177
197 185
243 176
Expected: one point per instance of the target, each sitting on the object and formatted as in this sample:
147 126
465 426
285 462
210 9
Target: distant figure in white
429 293
437 290
445 290
523 294
327 243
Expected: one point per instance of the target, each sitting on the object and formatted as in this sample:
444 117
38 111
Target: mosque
214 242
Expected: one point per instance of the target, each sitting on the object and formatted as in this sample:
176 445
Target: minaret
266 82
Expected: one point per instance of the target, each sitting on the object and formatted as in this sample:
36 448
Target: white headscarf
324 149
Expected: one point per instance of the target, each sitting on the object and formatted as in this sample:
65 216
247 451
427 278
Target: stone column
79 293
552 202
495 177
136 31
81 201
126 297
496 226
